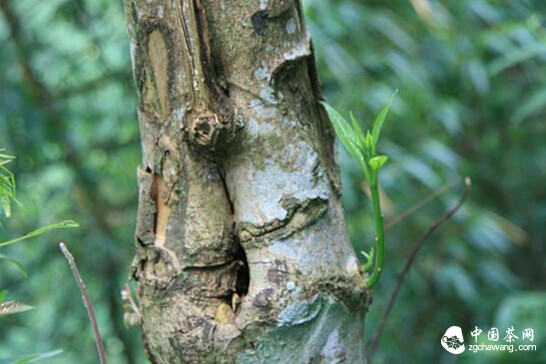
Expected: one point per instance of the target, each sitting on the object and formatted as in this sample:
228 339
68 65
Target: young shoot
363 148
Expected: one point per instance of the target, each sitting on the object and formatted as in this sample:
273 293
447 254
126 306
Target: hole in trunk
243 275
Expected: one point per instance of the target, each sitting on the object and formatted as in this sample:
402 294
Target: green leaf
517 56
378 123
369 260
60 225
348 137
30 358
16 263
5 158
357 129
369 143
3 294
343 130
529 106
7 185
6 206
12 307
377 162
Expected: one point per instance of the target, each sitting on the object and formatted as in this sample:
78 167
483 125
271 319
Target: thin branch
86 301
399 218
372 346
132 302
117 75
37 87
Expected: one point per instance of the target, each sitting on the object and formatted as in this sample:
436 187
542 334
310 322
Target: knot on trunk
205 130
211 131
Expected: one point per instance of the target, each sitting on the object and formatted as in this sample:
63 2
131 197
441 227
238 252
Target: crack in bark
243 274
212 267
298 217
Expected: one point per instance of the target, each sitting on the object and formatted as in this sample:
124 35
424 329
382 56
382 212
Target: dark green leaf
3 294
529 106
16 263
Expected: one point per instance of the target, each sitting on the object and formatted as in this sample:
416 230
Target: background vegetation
472 101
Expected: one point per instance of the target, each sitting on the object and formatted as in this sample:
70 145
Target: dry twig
86 301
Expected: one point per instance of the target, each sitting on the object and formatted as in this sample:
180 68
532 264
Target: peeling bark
242 254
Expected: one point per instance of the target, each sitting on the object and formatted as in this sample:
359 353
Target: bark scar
163 211
212 121
299 216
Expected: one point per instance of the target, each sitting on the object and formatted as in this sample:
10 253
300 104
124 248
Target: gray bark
242 254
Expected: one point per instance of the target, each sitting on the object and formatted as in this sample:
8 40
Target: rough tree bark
242 254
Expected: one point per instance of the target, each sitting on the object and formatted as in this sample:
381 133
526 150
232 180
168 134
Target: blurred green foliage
67 112
472 102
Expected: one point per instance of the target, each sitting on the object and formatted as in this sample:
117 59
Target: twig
372 346
37 87
397 219
132 302
91 85
86 301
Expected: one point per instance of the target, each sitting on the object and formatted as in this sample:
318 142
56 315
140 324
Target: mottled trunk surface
242 253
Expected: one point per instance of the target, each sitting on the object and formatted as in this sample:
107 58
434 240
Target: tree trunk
242 254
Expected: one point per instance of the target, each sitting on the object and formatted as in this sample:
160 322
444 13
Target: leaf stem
372 346
380 234
40 231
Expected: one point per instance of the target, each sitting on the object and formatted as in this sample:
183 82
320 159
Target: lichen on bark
241 250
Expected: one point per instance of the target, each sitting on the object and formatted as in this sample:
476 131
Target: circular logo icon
453 340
